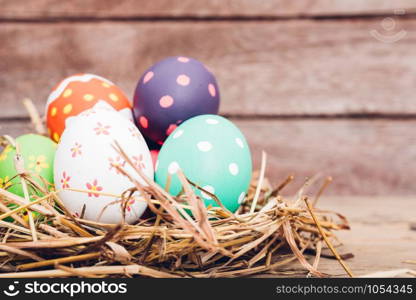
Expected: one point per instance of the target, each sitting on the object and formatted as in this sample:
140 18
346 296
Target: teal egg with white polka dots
212 153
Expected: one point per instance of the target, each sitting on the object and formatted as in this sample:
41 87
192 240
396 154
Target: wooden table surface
381 237
323 86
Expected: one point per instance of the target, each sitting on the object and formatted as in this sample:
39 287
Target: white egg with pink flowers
87 174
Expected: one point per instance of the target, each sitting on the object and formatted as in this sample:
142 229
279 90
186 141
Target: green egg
38 153
213 153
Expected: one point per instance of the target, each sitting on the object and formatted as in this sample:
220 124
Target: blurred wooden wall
322 86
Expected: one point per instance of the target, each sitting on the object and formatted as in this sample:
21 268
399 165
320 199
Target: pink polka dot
183 80
171 128
166 101
183 59
148 76
212 90
159 142
144 122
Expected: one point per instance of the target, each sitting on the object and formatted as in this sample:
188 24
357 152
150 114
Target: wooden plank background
306 81
265 68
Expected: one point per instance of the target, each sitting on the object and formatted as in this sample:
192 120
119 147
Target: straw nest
183 238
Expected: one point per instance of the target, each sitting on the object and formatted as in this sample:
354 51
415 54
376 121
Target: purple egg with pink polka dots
172 91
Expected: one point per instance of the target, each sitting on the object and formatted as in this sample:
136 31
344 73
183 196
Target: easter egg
86 166
78 93
172 91
38 153
154 154
212 153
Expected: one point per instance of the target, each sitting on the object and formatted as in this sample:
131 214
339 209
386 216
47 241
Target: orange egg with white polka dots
78 93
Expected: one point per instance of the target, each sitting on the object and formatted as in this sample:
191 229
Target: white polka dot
209 189
211 121
233 168
204 146
173 167
239 142
156 165
177 134
241 197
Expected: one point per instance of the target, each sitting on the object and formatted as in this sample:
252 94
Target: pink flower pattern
138 162
76 150
116 162
129 204
135 133
65 180
94 188
102 129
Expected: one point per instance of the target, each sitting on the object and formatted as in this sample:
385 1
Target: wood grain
364 157
380 237
185 8
266 68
